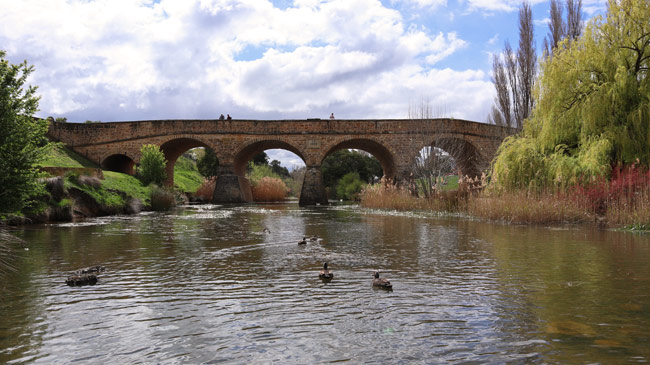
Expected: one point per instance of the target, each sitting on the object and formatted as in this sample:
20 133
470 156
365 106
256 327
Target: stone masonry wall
394 142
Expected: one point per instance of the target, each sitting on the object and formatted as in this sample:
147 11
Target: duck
83 279
381 282
303 242
266 230
314 238
325 274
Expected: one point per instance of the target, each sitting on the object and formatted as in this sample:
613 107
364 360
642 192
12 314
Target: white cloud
541 22
498 5
130 60
427 4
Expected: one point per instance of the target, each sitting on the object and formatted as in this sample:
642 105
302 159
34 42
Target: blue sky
114 60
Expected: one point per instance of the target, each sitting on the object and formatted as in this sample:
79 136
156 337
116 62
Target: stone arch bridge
394 142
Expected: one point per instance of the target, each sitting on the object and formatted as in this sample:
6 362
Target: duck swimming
381 282
81 279
325 274
303 242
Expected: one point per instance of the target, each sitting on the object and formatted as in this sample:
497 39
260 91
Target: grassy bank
76 194
187 177
60 156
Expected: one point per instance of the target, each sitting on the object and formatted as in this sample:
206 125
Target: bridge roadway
395 143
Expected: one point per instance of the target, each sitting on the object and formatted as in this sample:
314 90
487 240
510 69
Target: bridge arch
174 148
249 151
379 151
119 162
467 157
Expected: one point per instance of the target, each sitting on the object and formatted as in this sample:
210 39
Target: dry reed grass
526 207
624 200
387 195
206 190
269 189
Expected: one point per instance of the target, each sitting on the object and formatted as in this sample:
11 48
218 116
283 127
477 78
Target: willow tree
592 108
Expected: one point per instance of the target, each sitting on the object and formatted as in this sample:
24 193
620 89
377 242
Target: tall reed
269 189
522 206
622 200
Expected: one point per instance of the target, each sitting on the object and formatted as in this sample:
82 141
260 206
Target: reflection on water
209 284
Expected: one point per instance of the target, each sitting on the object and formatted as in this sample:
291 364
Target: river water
206 284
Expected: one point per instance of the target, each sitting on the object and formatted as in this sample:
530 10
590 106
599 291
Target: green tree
279 169
261 159
592 109
22 138
349 186
208 164
342 162
152 165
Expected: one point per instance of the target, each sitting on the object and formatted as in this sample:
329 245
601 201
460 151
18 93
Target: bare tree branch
527 62
574 19
501 114
439 159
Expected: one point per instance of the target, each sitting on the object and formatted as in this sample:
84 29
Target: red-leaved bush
626 186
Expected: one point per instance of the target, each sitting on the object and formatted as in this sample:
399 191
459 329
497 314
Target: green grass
101 195
61 156
187 177
452 183
127 184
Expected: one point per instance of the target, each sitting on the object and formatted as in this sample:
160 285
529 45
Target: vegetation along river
208 284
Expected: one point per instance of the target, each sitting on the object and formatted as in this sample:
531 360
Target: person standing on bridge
221 117
332 116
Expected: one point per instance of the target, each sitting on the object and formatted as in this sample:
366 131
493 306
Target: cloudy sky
115 60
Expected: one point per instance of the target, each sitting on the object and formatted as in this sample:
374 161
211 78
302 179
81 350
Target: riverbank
623 202
76 188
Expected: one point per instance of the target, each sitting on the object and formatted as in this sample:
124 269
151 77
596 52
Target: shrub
162 199
349 186
152 165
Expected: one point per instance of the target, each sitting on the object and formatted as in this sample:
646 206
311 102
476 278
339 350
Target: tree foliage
592 107
152 165
342 162
349 186
22 138
261 159
208 164
279 169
